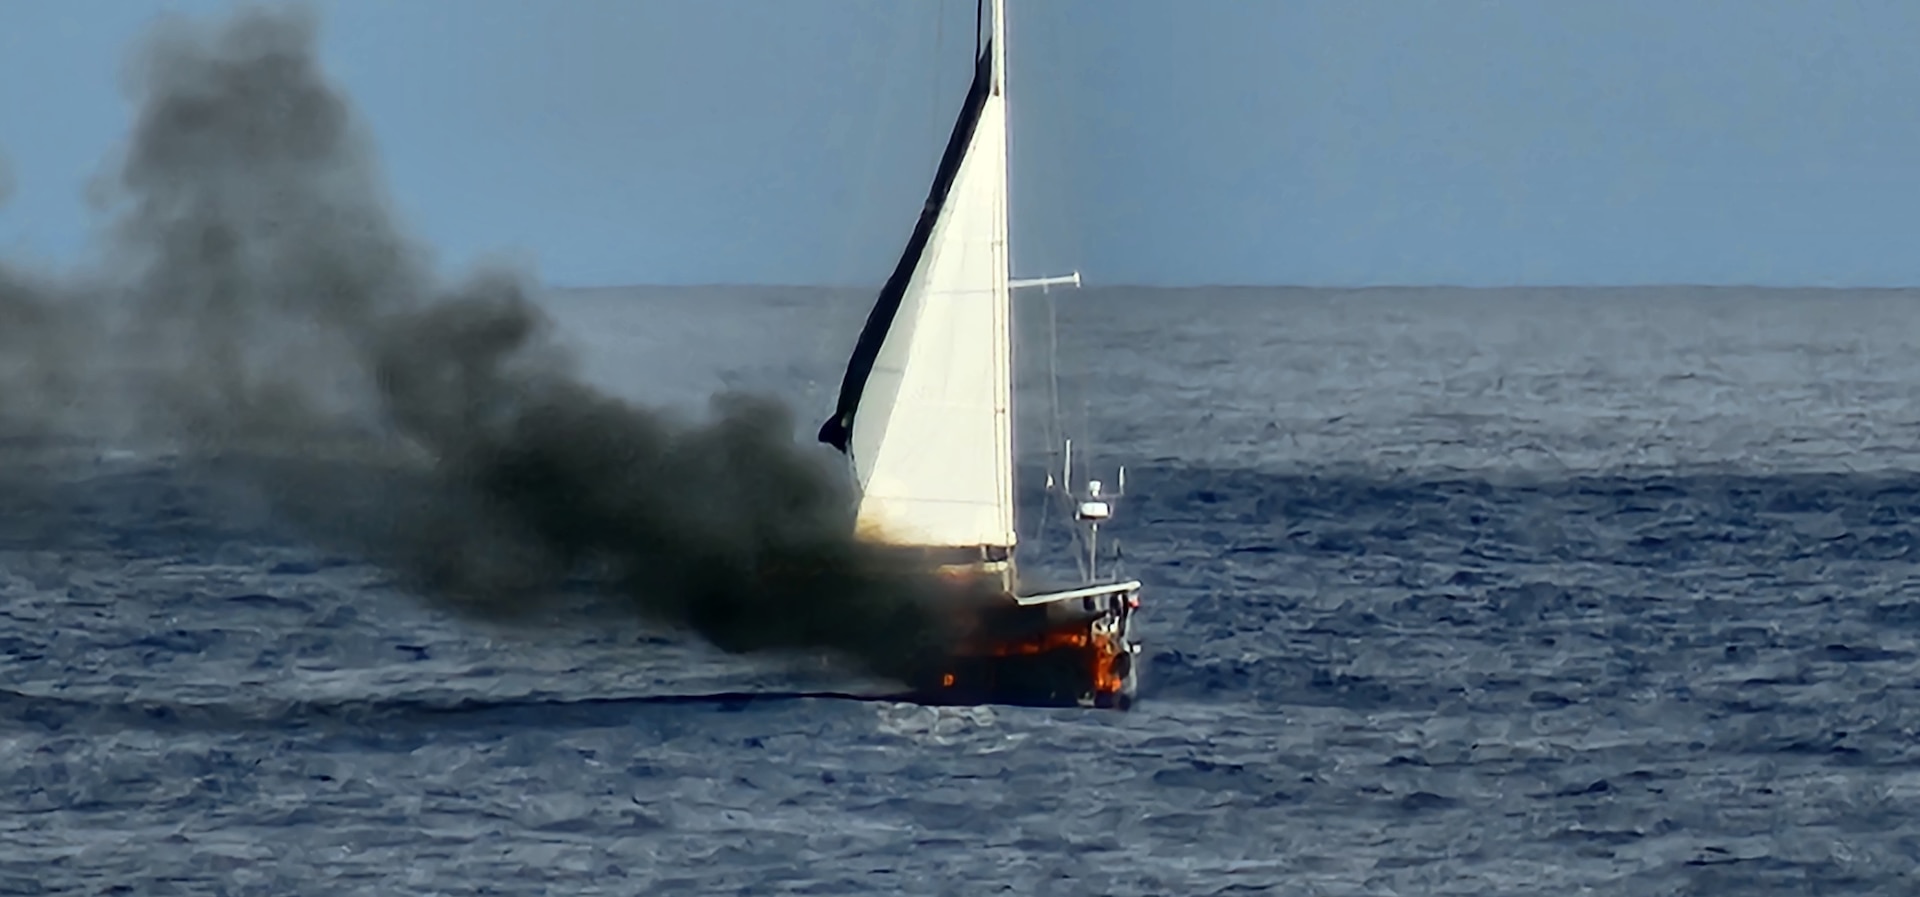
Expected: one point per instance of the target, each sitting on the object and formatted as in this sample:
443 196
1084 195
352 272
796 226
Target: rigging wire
1065 138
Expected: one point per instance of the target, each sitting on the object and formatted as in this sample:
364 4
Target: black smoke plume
265 317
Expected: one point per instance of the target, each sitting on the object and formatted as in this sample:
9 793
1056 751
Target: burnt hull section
1075 652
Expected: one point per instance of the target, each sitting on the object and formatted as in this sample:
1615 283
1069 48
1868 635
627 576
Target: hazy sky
1156 141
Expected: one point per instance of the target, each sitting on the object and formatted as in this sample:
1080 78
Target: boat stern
1060 649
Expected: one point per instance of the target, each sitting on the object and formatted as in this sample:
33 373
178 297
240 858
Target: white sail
932 446
928 423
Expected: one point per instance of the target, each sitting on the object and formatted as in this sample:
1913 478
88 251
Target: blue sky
1156 141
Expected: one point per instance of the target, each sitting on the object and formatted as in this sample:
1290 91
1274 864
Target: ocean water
1448 592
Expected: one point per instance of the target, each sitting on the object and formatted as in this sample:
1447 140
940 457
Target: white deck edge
1108 588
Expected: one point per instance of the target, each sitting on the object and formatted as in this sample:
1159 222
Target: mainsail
925 407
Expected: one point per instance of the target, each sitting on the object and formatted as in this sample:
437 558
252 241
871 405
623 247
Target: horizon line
1749 287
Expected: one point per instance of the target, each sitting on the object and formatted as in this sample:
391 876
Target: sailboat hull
1073 652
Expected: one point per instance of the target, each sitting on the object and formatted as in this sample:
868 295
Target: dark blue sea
1522 592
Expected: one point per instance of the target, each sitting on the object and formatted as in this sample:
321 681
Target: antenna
1093 509
1066 470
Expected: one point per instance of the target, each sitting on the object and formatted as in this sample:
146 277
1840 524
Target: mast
999 46
1003 274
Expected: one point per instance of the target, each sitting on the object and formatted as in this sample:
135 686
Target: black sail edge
839 428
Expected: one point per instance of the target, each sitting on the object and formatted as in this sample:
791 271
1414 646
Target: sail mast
999 46
1002 277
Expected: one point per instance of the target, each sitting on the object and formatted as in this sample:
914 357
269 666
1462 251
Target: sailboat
926 417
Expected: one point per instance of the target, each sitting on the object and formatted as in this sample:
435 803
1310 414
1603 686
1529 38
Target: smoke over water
255 309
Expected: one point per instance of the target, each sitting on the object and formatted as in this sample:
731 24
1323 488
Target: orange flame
1103 654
